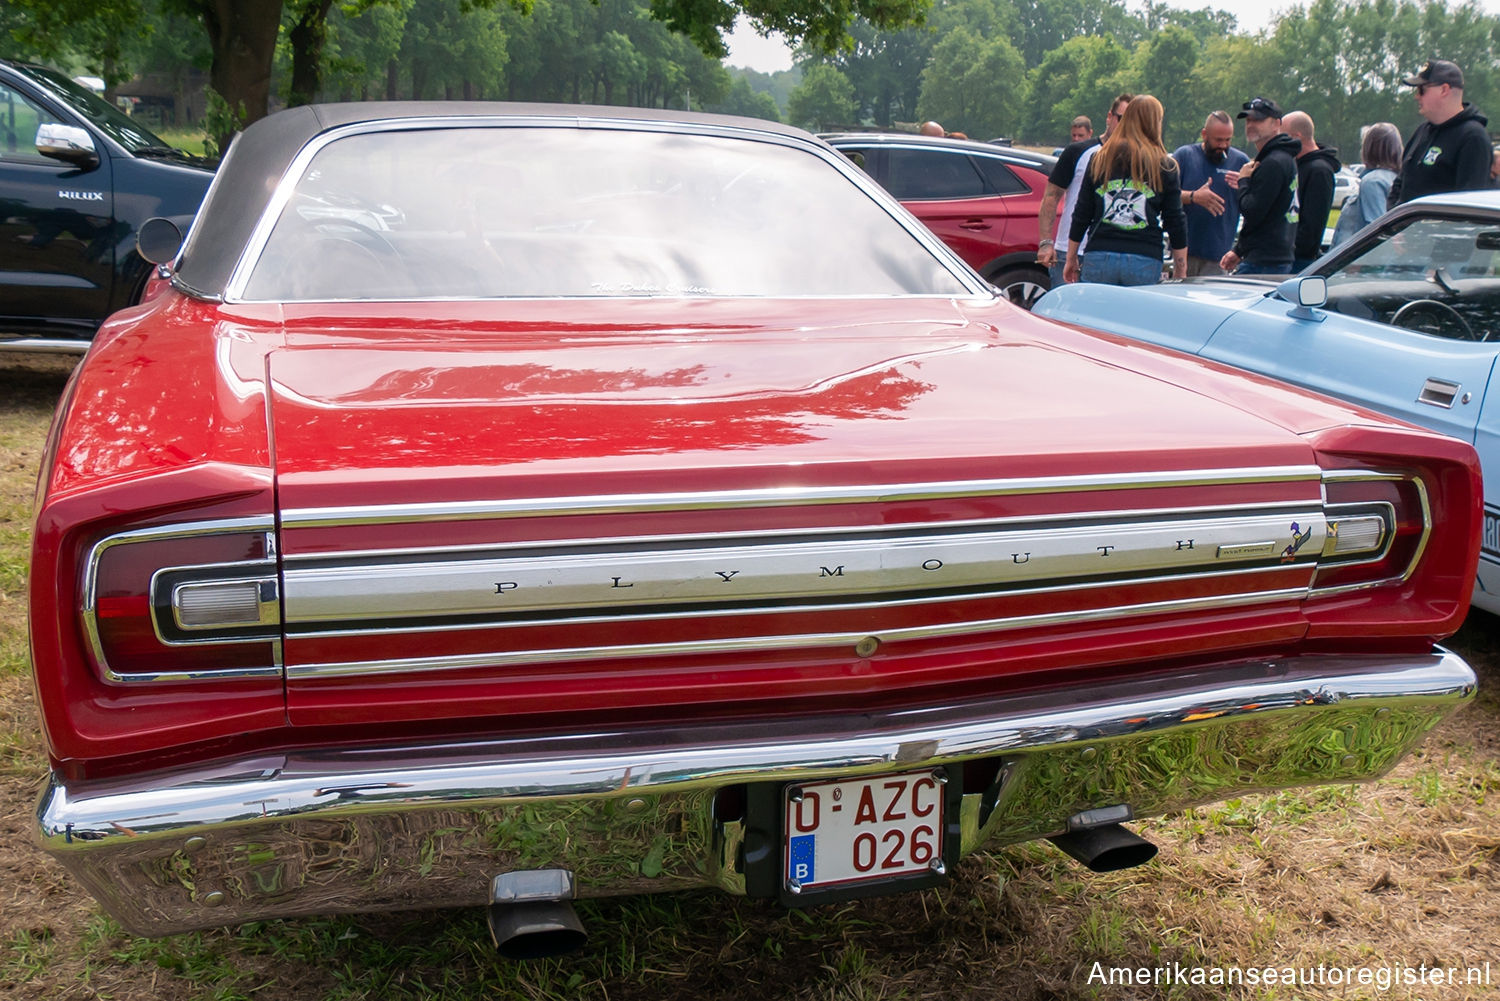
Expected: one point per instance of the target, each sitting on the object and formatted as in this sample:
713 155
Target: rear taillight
184 603
1378 526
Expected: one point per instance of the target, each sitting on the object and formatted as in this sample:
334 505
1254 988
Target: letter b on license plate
864 831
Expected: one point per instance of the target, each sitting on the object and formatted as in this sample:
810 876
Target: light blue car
1404 319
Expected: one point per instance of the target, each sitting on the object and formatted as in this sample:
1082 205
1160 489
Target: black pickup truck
77 179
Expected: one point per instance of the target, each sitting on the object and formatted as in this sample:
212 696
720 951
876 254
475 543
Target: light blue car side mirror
1306 293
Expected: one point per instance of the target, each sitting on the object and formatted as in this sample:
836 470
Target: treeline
1018 68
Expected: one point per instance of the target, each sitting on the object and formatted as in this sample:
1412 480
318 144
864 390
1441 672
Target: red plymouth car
509 504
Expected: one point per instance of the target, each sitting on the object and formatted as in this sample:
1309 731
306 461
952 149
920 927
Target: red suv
980 199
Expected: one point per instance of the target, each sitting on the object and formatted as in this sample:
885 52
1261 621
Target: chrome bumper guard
351 831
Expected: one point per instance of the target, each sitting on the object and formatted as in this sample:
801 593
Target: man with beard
1268 195
1316 165
1209 199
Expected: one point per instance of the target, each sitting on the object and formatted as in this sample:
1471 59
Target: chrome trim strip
344 830
88 610
45 345
789 496
1114 515
741 644
709 613
775 570
239 275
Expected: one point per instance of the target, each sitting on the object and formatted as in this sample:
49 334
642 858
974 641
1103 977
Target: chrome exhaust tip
531 914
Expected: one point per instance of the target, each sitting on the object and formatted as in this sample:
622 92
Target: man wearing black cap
1268 195
1451 150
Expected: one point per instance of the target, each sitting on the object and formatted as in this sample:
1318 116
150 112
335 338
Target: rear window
480 212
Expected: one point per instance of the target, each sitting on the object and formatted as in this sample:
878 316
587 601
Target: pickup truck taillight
199 604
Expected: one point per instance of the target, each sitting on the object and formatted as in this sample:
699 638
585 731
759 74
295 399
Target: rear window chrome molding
239 276
521 658
791 496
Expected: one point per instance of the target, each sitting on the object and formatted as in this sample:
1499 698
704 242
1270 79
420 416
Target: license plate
863 830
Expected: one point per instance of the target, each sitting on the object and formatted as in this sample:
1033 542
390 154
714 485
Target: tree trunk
308 36
242 38
468 90
392 80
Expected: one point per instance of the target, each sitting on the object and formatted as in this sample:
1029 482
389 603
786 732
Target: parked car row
551 501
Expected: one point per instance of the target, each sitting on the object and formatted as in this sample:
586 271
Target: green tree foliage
885 69
1163 65
823 100
743 99
965 85
1079 77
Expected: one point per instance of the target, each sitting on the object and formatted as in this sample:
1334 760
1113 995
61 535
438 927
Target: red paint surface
186 410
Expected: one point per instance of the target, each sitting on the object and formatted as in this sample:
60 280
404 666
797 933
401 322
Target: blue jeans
1261 268
1111 267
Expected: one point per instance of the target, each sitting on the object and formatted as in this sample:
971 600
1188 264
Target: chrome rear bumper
632 812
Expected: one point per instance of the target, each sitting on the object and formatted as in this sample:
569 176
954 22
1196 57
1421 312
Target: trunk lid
540 518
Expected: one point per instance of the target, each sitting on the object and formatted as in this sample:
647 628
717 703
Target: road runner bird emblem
1299 539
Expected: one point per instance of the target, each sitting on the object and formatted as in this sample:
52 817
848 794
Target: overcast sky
768 55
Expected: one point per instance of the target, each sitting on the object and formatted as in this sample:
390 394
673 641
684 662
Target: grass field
1361 879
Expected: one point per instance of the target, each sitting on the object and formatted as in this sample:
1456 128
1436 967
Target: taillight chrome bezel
1386 511
165 584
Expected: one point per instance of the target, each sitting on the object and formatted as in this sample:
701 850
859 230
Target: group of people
1111 201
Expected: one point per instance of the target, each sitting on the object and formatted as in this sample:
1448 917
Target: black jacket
1268 209
1453 156
1315 182
1129 217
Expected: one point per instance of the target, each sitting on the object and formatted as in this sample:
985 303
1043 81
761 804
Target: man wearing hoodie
1268 195
1450 151
1316 165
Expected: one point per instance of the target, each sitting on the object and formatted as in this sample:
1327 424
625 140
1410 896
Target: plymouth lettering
1020 557
505 585
1104 550
837 571
617 583
727 575
1184 544
932 564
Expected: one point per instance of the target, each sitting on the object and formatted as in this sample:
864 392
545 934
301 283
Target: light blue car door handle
1439 393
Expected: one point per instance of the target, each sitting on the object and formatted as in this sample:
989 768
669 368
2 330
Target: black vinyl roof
259 157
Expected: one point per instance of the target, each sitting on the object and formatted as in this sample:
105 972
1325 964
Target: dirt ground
1392 878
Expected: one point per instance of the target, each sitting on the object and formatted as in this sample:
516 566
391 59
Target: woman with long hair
1132 194
1380 152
